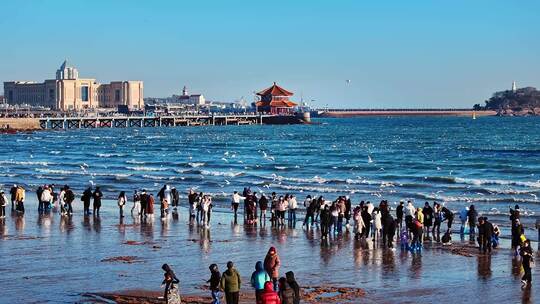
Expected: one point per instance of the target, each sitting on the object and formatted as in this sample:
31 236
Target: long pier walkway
56 123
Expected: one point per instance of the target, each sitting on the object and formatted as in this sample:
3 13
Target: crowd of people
410 225
266 282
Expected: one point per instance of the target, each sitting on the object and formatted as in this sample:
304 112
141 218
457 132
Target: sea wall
406 113
20 124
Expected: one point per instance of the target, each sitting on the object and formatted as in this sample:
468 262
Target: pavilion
275 100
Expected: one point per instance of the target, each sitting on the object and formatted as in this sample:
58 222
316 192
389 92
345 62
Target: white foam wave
221 173
24 163
196 165
142 168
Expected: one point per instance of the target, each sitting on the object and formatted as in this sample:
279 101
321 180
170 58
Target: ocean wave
25 163
497 182
444 198
221 173
155 177
142 168
196 165
108 155
135 162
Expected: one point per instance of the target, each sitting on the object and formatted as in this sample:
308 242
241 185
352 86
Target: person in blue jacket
258 278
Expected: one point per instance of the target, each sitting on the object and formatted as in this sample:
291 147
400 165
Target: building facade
68 92
186 98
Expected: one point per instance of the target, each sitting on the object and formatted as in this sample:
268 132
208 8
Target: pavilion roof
275 90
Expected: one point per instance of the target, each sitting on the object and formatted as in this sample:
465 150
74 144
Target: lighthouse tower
514 88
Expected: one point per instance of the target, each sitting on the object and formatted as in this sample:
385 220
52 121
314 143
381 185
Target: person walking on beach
230 284
325 222
410 212
286 293
150 205
282 209
3 203
192 201
526 254
205 206
377 224
144 203
437 219
293 205
472 215
13 194
358 222
272 264
19 199
269 296
366 218
39 191
69 198
399 214
463 216
97 195
517 232
263 206
215 279
448 216
170 293
310 214
258 278
485 231
274 217
85 198
122 201
175 196
291 280
136 203
46 198
235 203
427 211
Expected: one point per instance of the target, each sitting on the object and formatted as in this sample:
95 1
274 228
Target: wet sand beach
50 259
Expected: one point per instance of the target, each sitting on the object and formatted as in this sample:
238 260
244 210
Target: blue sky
396 53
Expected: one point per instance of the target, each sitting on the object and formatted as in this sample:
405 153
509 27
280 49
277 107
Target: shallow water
49 259
493 162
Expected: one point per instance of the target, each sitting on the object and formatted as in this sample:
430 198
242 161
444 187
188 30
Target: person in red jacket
269 296
272 264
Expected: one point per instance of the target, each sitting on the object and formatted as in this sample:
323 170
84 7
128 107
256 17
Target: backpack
69 196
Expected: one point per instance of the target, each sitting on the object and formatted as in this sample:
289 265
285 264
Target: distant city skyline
337 53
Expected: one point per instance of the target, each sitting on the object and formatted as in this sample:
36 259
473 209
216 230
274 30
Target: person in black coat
85 198
97 195
325 222
399 214
488 235
526 258
294 285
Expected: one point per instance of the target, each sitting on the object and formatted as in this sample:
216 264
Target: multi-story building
69 92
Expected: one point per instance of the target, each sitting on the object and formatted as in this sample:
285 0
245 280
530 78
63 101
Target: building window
117 95
84 93
51 94
10 96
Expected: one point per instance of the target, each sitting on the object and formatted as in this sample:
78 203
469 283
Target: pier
57 123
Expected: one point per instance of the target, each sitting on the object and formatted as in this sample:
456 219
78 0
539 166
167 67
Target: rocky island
515 102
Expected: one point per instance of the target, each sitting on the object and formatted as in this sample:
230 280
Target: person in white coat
122 201
377 224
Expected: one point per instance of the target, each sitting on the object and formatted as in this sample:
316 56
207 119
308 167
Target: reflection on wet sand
484 266
301 251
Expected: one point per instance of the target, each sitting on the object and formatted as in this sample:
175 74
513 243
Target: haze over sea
492 162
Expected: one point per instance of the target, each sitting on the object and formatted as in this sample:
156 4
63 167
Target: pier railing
149 121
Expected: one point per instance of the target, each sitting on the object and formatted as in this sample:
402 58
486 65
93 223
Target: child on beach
215 278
